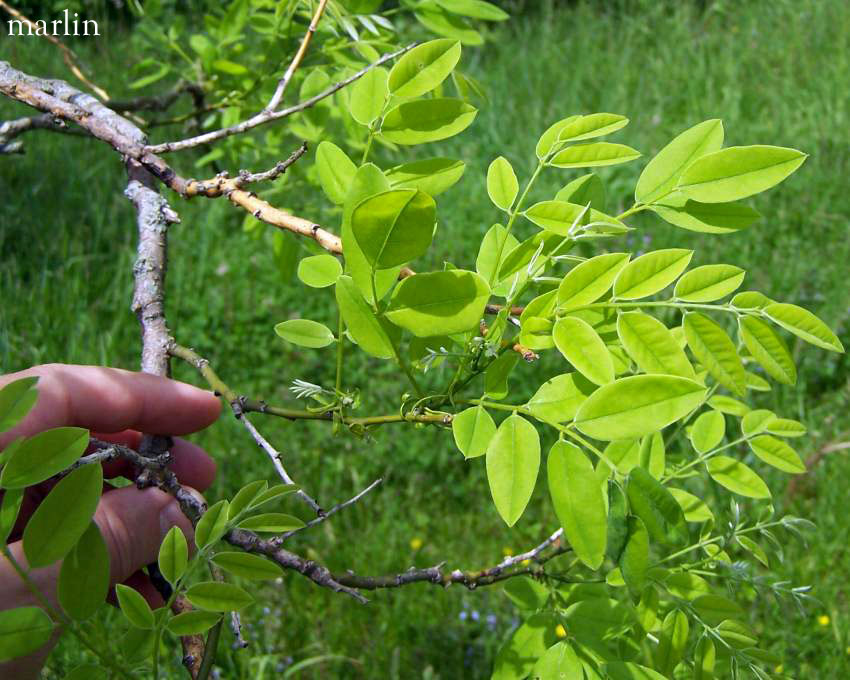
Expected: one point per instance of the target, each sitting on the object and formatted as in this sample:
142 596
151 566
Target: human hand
116 406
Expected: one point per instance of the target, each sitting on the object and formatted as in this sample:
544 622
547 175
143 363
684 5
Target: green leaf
652 346
653 455
584 349
193 622
618 523
750 299
336 171
497 241
63 517
271 522
245 496
650 273
709 218
497 374
592 125
560 662
218 597
737 172
588 281
564 218
662 173
672 641
704 659
768 349
634 559
247 566
728 405
432 175
472 430
655 505
756 421
526 593
427 120
627 670
43 455
22 631
173 555
549 138
754 548
368 181
319 271
694 508
558 399
637 405
16 400
686 585
777 453
513 460
802 323
785 427
305 333
737 477
371 334
709 282
369 94
223 65
87 671
212 525
477 9
708 431
539 247
273 493
424 68
594 155
450 26
714 609
528 643
715 350
134 607
583 190
439 303
502 184
579 502
394 227
596 618
84 576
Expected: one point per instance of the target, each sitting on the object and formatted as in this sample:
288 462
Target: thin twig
296 60
266 116
335 509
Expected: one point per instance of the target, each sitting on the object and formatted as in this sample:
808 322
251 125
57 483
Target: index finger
112 400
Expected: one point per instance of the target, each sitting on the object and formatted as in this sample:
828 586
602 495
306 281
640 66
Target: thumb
133 523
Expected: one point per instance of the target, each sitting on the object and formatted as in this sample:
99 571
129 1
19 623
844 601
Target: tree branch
267 116
296 60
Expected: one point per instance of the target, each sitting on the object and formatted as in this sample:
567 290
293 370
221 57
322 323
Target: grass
775 72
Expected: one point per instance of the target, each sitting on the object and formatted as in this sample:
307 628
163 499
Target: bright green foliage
439 303
218 597
84 577
423 68
579 502
42 456
642 424
502 184
173 555
513 460
305 333
738 172
248 566
16 399
473 429
63 517
394 227
23 630
134 607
